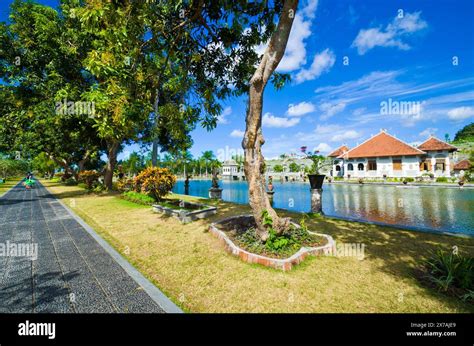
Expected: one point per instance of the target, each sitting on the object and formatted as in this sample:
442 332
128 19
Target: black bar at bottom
291 329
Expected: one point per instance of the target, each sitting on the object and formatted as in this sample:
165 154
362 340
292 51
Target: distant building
461 167
338 164
230 170
385 155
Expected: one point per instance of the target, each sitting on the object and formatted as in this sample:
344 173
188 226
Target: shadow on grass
398 252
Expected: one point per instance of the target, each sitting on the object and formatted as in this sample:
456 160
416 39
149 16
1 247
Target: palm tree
208 156
169 162
239 159
185 158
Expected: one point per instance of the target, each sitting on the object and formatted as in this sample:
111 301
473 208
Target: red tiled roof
464 164
434 143
339 151
381 145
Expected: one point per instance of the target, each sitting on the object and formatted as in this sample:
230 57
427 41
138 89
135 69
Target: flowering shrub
125 185
90 178
155 182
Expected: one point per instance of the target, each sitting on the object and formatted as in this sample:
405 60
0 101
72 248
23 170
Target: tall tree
254 165
41 57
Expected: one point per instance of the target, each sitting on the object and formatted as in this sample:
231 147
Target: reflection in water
446 209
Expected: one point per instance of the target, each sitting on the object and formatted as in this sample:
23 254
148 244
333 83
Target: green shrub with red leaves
155 182
90 178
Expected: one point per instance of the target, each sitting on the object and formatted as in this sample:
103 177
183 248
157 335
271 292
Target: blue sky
346 59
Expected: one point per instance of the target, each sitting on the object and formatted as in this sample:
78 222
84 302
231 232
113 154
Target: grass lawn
9 184
190 266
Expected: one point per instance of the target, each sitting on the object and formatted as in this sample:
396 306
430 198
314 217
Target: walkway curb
154 292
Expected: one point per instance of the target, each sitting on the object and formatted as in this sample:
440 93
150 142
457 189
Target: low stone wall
283 264
186 216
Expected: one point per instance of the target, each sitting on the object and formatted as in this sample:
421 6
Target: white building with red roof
384 155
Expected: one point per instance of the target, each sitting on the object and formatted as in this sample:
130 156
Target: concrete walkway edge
159 297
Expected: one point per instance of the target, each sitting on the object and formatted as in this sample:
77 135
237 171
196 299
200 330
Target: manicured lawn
9 184
189 265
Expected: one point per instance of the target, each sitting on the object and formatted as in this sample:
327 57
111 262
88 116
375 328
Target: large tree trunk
64 164
254 162
154 153
81 164
112 149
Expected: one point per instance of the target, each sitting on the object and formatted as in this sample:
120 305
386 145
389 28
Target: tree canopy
465 134
144 71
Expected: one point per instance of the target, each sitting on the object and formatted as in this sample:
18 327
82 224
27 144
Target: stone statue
215 179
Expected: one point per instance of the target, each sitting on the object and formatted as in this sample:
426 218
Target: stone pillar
433 165
447 167
317 201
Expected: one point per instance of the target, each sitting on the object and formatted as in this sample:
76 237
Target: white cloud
369 90
221 119
359 111
323 148
299 109
428 132
295 53
461 113
237 133
410 22
330 109
375 83
390 36
322 63
309 9
350 134
270 120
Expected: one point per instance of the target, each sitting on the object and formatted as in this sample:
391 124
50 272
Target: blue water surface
436 208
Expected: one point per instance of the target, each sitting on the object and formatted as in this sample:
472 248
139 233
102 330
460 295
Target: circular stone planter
277 263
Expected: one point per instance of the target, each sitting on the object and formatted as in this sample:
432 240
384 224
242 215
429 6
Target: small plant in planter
316 178
361 180
405 182
270 183
461 181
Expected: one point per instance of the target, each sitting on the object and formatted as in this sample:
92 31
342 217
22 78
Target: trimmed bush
441 180
138 198
155 182
90 178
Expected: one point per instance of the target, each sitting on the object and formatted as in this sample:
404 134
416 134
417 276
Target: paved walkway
73 272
